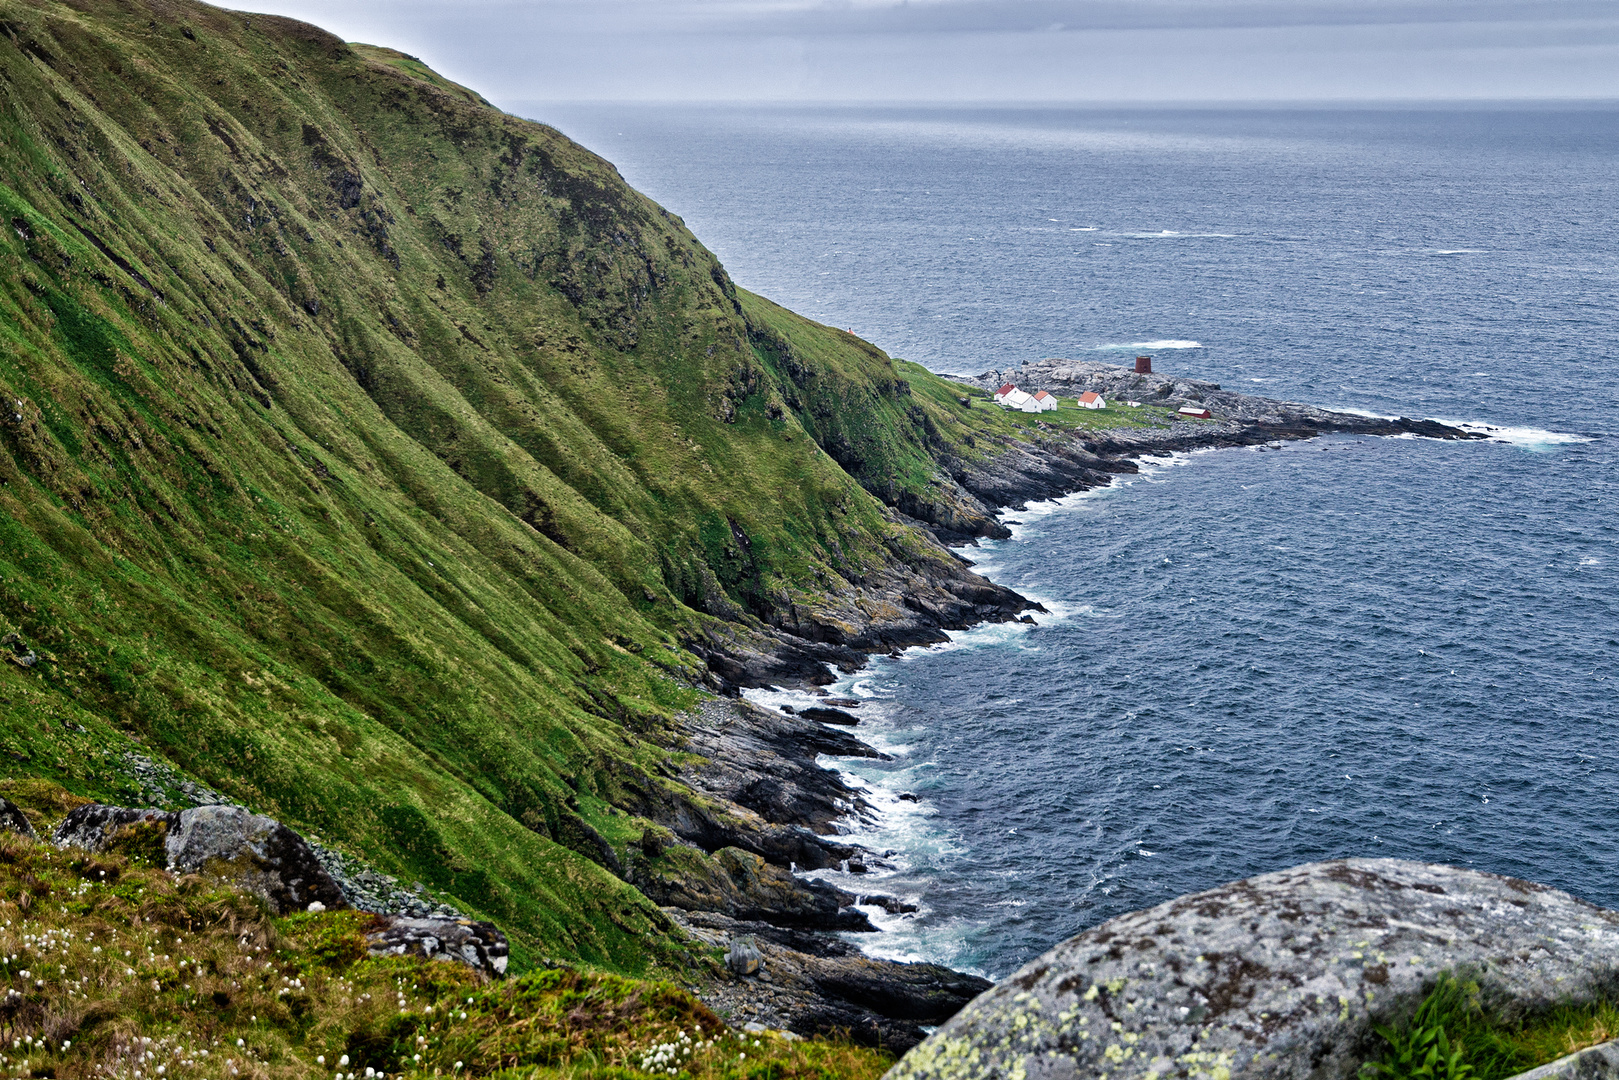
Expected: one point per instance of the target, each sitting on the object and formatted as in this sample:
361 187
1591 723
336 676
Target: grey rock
256 852
93 827
743 957
12 817
1281 975
367 889
479 945
1594 1063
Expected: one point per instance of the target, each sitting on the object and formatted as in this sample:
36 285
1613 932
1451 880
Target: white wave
1527 437
1454 251
1171 234
1167 343
1084 228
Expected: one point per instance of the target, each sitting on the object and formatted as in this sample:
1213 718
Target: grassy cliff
374 456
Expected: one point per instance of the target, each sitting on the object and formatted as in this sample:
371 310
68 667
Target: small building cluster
1010 397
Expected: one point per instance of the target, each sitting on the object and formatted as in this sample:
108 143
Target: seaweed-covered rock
479 945
1281 975
256 852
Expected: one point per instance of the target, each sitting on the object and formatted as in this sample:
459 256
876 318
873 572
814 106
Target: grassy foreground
112 968
1454 1035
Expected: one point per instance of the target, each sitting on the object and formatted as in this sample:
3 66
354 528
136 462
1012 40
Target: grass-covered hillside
373 457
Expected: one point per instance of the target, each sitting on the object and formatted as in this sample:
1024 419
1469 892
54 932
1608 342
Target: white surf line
1527 437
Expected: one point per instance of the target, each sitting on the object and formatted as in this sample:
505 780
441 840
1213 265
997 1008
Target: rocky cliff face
1281 975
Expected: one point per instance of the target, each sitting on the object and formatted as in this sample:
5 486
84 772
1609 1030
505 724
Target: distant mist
997 50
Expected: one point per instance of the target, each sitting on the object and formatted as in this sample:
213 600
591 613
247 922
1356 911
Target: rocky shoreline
779 808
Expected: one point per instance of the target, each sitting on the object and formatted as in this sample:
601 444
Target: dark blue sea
1257 657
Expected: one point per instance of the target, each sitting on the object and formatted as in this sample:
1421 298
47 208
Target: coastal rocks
1281 975
829 716
744 886
764 763
258 853
478 945
814 985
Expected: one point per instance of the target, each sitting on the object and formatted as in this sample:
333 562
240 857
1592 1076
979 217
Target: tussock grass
1455 1035
110 968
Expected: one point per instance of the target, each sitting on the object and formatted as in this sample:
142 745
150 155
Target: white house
1017 399
1090 399
1000 395
1045 401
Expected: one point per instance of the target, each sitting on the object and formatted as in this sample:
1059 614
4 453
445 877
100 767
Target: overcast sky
520 51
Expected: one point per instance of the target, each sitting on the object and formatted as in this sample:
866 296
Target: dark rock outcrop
744 886
1281 975
816 985
479 945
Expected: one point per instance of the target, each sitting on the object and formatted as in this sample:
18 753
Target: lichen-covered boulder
250 850
1282 975
479 945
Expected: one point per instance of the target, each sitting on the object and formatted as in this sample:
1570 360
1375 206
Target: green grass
1455 1035
379 453
108 960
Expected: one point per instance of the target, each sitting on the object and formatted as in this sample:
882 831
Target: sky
517 52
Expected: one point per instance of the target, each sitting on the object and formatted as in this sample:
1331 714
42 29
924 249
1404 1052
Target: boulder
253 851
1281 975
256 852
743 957
94 826
479 945
13 819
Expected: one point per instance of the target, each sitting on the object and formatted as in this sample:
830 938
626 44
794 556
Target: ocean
1253 658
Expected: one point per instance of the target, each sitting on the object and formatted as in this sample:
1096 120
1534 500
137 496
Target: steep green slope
373 456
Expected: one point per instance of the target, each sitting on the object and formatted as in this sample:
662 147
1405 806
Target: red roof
1090 395
1007 389
1041 394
